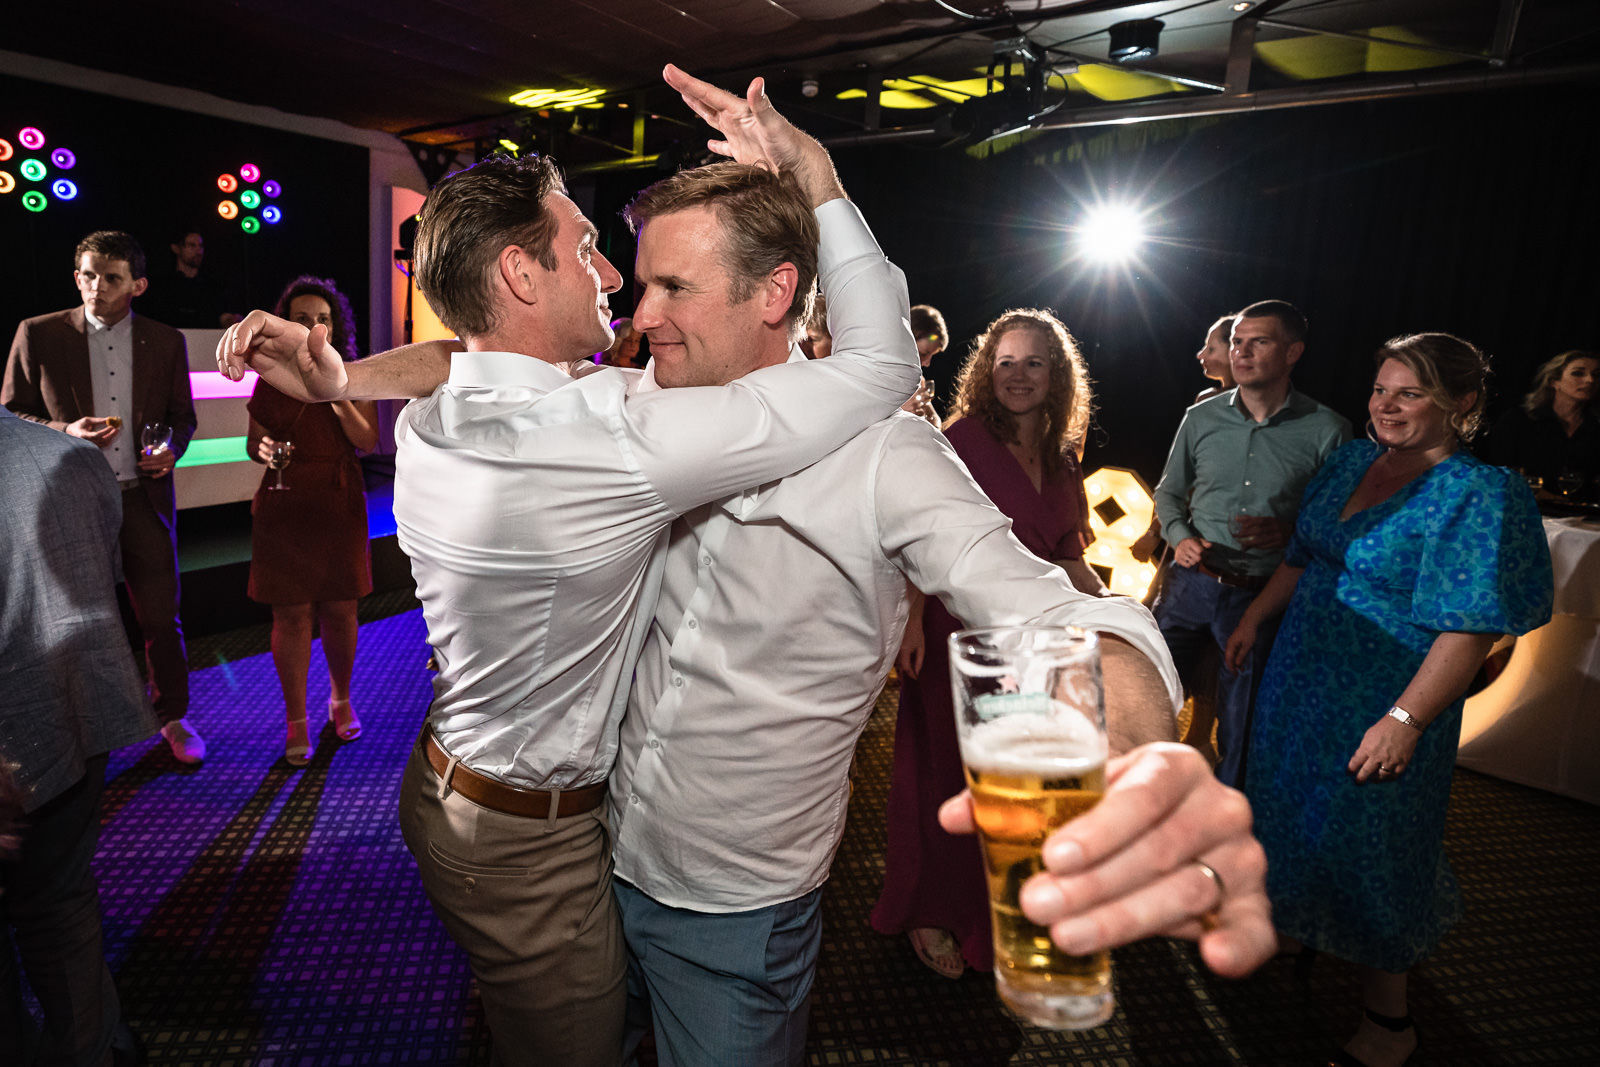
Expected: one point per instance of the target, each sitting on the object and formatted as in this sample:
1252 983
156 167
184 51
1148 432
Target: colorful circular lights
250 199
250 223
32 169
227 183
250 172
228 209
270 187
31 138
5 150
64 189
8 183
269 215
63 159
34 200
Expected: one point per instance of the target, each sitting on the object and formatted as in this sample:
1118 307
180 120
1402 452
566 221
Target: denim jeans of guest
1194 611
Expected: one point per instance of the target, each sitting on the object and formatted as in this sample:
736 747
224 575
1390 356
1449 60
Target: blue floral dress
1359 870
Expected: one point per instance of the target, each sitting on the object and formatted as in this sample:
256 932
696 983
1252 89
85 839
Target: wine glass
155 438
282 452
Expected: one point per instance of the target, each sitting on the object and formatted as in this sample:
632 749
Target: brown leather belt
1253 582
507 799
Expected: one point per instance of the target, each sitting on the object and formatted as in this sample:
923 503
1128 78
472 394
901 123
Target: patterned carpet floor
260 915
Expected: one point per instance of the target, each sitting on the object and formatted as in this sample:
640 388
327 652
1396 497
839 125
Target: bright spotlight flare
1111 233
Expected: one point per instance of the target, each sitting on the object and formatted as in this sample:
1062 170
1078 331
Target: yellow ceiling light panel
1312 57
1117 83
558 99
1386 56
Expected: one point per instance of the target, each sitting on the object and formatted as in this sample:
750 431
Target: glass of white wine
282 453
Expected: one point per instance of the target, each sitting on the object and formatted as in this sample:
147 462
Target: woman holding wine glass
309 558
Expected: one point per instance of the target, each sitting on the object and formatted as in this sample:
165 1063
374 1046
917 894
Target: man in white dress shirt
535 509
780 614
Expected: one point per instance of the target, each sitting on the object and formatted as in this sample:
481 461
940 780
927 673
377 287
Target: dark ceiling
442 72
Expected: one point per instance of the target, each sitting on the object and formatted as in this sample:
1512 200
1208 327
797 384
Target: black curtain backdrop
152 170
1473 214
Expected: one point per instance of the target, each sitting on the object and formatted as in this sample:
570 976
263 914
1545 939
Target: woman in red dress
309 558
1021 411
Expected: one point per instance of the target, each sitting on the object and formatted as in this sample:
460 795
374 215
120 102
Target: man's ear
140 285
780 292
519 272
1295 351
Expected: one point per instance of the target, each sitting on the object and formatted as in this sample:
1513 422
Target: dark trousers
1194 611
50 921
150 567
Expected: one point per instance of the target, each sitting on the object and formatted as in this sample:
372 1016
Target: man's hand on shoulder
753 132
295 361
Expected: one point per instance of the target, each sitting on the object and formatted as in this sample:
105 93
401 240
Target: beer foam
1061 742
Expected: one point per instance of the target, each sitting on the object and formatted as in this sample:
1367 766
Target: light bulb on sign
34 200
6 150
271 188
271 215
250 199
7 182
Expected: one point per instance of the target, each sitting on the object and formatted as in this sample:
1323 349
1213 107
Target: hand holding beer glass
1030 718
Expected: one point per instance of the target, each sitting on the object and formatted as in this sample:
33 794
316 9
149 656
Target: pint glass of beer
1030 717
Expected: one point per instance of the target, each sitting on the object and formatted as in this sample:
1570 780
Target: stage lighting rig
1018 72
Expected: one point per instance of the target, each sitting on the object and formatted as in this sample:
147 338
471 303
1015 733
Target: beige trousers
530 902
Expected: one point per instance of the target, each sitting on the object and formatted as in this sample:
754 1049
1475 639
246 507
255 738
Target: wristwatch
1397 712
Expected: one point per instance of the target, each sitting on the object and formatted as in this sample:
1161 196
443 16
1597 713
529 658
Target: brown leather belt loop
1254 583
507 799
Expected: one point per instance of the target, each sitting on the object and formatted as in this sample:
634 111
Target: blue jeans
1195 610
723 990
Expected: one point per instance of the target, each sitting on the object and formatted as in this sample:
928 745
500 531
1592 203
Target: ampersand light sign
1120 510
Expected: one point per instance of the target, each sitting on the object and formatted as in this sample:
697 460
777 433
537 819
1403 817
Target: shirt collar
505 368
96 324
1293 403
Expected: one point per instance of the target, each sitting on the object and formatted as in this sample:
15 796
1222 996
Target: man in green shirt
1227 502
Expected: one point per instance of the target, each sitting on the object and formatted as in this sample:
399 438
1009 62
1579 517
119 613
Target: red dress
308 543
932 878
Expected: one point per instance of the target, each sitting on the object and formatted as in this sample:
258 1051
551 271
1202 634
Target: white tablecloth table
1538 723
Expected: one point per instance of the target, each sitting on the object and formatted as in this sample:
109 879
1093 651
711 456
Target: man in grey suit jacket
100 373
69 694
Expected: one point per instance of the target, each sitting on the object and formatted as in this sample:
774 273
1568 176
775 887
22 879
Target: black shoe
126 1048
1393 1023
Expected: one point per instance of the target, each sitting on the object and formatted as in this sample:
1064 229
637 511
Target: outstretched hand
295 361
753 132
1130 867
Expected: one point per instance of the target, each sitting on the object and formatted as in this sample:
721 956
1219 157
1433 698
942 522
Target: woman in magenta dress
1020 414
308 544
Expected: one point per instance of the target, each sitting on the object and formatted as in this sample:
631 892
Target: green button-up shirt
1224 463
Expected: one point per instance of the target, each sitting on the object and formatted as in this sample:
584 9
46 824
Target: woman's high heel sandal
1395 1024
344 720
297 746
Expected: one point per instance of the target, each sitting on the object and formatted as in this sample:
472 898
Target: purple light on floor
211 385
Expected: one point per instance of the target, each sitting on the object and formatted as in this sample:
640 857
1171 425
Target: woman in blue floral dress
1408 558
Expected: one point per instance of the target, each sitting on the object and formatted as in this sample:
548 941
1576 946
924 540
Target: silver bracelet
1397 712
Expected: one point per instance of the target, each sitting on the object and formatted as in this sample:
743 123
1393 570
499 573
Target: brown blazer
47 380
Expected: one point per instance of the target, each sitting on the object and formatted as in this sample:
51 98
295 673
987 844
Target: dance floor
257 914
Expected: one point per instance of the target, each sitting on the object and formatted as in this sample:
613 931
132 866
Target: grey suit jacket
69 688
47 380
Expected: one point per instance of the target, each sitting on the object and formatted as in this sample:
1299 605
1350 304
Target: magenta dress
931 878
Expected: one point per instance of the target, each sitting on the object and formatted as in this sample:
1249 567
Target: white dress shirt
781 611
535 506
111 384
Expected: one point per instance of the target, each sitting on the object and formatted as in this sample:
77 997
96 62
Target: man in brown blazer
101 373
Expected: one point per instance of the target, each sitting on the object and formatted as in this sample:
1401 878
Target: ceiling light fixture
1135 40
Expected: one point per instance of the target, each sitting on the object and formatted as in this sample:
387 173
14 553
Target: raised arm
301 363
